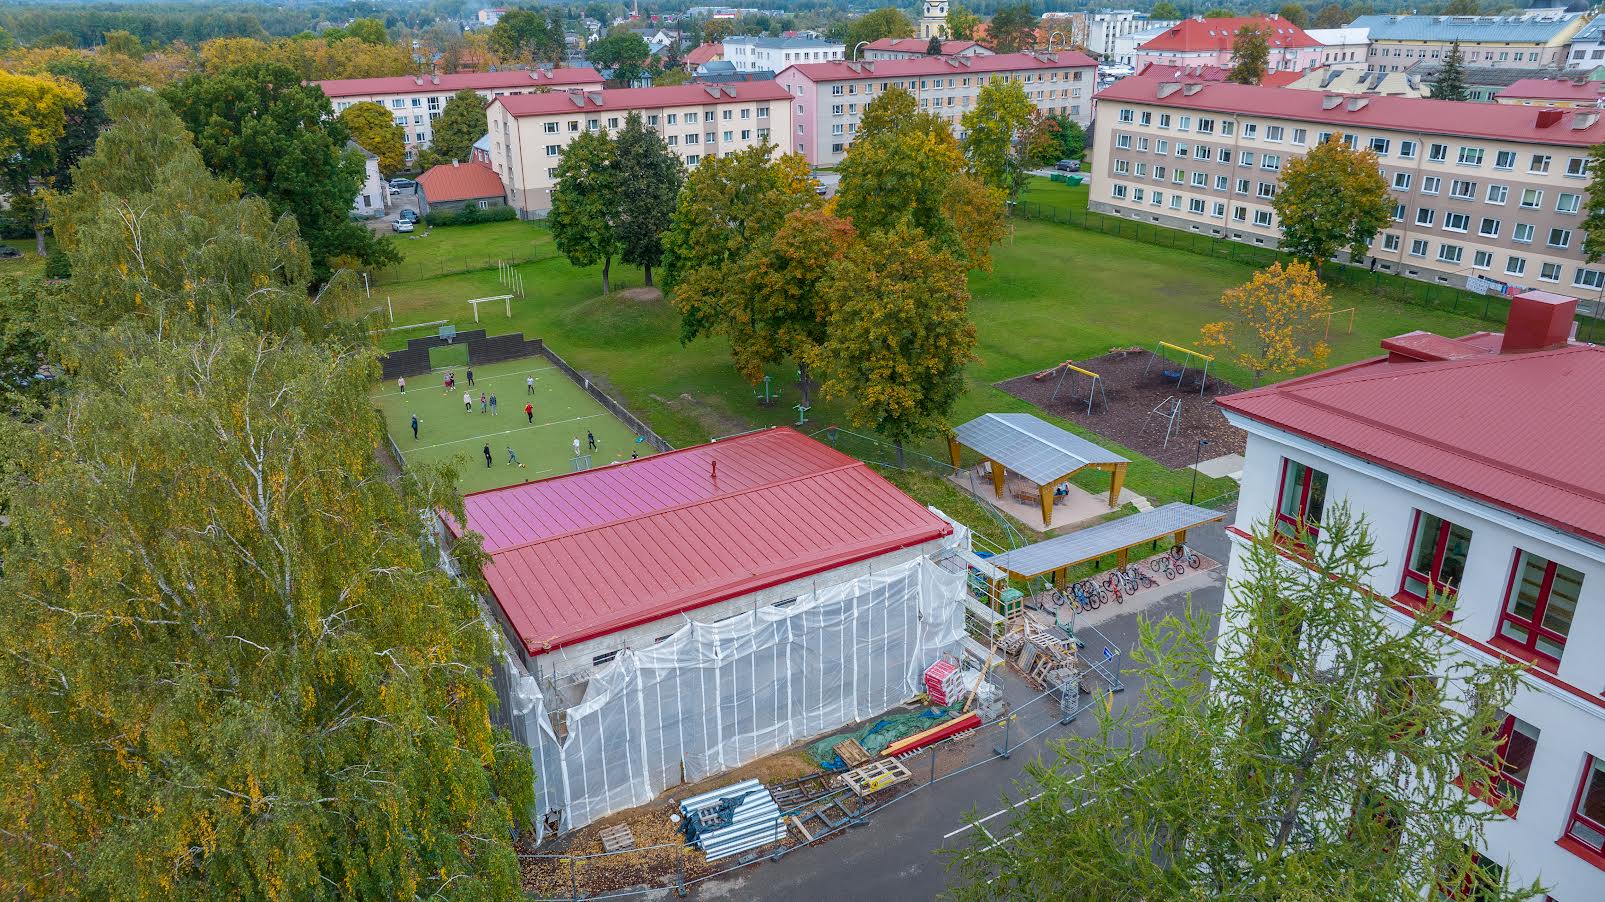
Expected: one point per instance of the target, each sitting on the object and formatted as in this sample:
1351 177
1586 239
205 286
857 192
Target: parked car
1068 166
394 191
403 183
401 225
7 251
408 216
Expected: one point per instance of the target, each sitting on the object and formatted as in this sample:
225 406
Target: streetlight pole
1198 454
856 54
1056 34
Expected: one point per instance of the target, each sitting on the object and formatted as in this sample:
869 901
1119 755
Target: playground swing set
1068 370
1187 359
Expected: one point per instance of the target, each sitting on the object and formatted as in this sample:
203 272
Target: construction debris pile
1046 656
731 820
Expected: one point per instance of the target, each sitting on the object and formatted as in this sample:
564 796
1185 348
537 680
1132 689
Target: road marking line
994 814
488 435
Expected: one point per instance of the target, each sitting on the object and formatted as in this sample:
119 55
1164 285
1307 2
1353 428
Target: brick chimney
1538 321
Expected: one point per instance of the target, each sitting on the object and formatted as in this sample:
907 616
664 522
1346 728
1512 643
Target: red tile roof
1553 89
465 181
580 556
639 98
451 84
1197 35
1412 114
918 45
704 53
842 70
1516 431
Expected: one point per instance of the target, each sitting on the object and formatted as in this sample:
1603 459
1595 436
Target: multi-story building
1359 80
1528 41
1208 42
416 100
1565 92
1587 50
828 99
1448 447
760 54
1125 52
933 19
914 48
1483 83
1485 201
1342 47
529 132
1105 25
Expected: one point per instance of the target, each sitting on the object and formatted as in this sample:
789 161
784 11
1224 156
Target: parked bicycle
1085 600
1181 555
1167 565
1111 587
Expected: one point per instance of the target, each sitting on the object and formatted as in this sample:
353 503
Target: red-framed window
1587 824
1481 879
1504 774
1540 602
1301 499
1436 560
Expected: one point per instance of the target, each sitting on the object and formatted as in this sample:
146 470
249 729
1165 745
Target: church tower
933 19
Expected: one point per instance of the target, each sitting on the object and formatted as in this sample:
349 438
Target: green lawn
1055 292
446 431
30 263
433 251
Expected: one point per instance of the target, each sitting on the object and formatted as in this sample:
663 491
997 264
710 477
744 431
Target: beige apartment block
529 133
1486 196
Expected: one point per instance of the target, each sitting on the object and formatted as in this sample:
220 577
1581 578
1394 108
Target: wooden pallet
851 752
872 778
617 838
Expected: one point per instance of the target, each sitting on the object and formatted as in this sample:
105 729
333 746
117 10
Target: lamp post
856 54
1056 34
1198 454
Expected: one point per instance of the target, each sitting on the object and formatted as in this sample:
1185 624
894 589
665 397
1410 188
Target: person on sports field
487 454
576 446
529 385
529 411
590 440
470 377
512 459
468 402
415 427
483 404
492 403
401 383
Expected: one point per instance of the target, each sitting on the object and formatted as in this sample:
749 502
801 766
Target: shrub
57 266
471 216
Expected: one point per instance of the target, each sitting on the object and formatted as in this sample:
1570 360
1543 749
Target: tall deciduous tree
961 23
1164 9
625 53
716 30
277 136
584 204
1331 16
461 123
1012 29
898 334
788 316
33 120
1451 81
1318 753
231 670
1594 213
1071 137
535 37
1276 321
1332 198
1251 53
1001 112
23 347
886 22
1295 13
86 122
649 176
372 126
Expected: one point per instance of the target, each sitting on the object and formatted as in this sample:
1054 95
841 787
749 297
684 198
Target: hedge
471 216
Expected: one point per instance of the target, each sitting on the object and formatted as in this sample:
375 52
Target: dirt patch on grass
645 294
1134 382
715 421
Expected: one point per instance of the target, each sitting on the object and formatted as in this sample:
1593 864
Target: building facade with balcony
1105 26
415 101
1492 201
1448 448
1208 42
529 133
828 99
1529 41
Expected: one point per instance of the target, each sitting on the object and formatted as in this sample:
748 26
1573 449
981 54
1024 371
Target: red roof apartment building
1475 463
1487 197
1208 42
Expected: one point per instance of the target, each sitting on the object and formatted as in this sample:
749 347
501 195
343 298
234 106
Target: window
1561 238
1398 212
1178 175
1539 164
1262 218
1390 242
551 173
1240 214
1532 199
1206 126
1273 133
1549 272
1302 498
1426 216
1164 120
1271 161
550 128
1245 159
1159 173
1226 156
1181 148
1482 260
1489 228
1250 130
1437 153
1380 146
1539 604
1431 184
1127 115
1300 136
1162 147
1119 191
1523 233
1577 167
1418 247
1218 210
1242 186
1568 203
1407 150
604 658
1228 127
1401 181
1222 183
1589 278
1202 152
1196 205
1587 824
1450 253
1200 179
1122 167
1456 222
1266 189
1463 189
693 160
1497 194
1505 159
1515 265
1158 198
1123 142
1437 558
1470 156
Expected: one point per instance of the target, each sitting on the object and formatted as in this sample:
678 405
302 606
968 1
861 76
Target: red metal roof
580 556
1274 78
450 84
460 181
639 98
704 53
1553 89
919 45
1517 431
1197 35
844 70
1409 114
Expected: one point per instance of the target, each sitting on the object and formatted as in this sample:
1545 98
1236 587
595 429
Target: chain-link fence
1491 308
412 271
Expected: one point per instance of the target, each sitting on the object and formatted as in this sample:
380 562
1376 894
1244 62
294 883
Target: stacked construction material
731 820
943 683
934 734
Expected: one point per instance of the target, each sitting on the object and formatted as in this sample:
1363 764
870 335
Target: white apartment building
1342 48
1105 26
760 54
415 101
1533 40
1587 50
528 133
828 99
1125 45
1448 448
1491 200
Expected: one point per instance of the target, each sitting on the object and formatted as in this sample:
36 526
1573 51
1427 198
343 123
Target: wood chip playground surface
563 412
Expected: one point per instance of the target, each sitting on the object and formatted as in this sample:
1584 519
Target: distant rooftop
1529 28
781 43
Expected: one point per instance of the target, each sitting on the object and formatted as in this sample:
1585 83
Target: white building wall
370 201
1571 726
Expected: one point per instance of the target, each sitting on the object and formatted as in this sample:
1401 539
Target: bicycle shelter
1057 555
1037 450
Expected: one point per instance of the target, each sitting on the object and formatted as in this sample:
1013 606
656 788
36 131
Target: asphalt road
896 856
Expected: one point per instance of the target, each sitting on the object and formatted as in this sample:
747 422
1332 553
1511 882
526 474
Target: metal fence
1491 308
602 398
429 269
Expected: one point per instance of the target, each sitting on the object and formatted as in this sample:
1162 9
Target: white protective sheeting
714 696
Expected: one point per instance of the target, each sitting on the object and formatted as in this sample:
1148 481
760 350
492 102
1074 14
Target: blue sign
1107 654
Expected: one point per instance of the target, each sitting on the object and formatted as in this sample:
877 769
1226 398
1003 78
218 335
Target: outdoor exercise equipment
1331 313
510 277
1169 412
506 299
1094 385
802 413
1188 356
767 396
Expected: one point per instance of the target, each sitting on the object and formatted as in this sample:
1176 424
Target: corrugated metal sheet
1034 448
1467 29
1520 432
755 821
1103 540
586 554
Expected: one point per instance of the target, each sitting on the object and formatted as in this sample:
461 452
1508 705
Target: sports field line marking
486 435
392 390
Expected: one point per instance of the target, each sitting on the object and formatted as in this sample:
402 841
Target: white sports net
714 696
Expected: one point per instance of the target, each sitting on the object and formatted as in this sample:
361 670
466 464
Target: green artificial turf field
563 412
